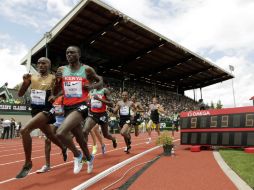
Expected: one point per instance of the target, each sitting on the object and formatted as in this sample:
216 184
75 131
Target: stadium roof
119 47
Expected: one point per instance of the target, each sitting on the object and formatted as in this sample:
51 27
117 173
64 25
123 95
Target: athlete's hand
96 97
111 110
27 78
88 87
52 98
59 74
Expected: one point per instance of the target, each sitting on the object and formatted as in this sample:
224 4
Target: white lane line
19 153
16 145
20 148
42 144
112 169
6 155
238 182
65 163
43 156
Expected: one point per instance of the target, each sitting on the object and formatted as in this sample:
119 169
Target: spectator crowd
171 101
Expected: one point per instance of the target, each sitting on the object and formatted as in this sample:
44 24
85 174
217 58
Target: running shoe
103 149
24 171
44 169
114 143
78 164
149 140
90 164
94 149
126 149
65 154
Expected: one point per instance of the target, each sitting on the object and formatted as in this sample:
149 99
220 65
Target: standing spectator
1 126
18 127
12 128
6 125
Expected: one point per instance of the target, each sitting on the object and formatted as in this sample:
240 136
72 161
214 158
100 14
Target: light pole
231 68
47 36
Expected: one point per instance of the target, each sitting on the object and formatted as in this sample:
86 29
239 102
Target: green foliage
212 105
219 105
164 139
17 86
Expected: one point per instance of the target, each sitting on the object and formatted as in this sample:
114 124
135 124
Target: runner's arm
116 108
108 100
134 108
140 108
57 90
26 83
161 109
53 97
95 80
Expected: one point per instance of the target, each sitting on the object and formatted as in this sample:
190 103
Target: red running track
61 175
186 170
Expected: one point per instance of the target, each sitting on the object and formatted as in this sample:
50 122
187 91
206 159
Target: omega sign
198 113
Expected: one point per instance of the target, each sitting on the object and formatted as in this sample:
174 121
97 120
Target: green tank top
73 86
79 73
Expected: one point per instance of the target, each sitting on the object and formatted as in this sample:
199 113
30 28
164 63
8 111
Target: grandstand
121 48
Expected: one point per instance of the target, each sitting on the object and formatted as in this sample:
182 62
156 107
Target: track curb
238 182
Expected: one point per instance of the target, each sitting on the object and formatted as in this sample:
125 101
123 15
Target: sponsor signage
14 108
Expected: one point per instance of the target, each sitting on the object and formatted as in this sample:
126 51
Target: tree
219 105
17 86
212 105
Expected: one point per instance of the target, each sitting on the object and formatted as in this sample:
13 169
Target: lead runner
75 80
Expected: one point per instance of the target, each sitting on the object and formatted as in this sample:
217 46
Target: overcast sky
220 31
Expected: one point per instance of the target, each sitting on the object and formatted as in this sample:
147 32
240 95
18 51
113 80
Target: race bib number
73 89
124 110
96 103
38 97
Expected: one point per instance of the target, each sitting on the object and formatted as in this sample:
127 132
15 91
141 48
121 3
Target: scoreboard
218 127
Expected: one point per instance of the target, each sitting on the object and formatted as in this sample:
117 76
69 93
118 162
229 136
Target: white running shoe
94 149
126 149
149 140
90 164
44 169
78 164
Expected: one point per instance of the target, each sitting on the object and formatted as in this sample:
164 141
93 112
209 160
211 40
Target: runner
137 115
155 110
41 89
95 133
75 80
124 107
100 99
59 116
176 120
